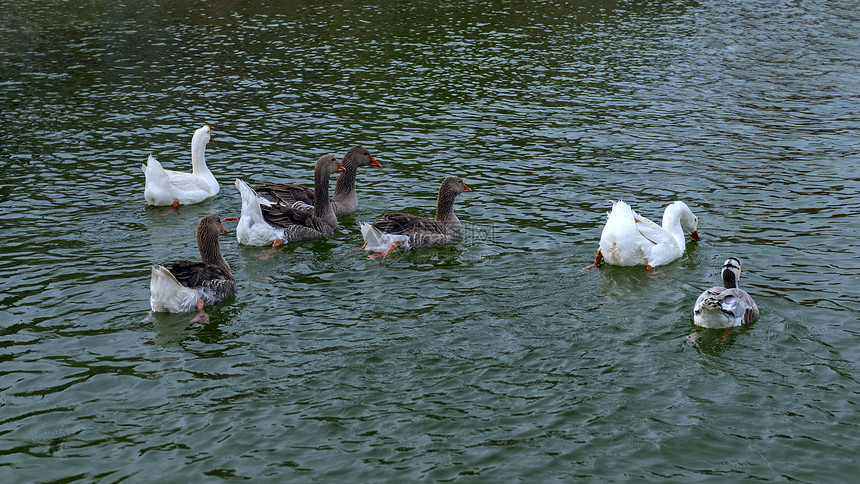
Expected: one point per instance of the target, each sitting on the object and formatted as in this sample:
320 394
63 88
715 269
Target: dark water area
493 358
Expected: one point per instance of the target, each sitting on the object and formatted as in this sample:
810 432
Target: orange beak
340 167
695 235
466 188
375 163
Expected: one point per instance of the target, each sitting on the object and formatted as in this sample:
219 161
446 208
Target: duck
629 239
345 198
181 286
407 231
265 222
168 187
727 306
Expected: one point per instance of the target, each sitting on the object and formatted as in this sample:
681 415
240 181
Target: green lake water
491 359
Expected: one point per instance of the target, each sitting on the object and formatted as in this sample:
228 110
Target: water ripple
489 358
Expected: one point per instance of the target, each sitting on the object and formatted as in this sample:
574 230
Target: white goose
727 306
182 286
168 187
629 239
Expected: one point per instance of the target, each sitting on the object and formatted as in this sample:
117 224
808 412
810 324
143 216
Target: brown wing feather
196 274
407 224
284 216
285 193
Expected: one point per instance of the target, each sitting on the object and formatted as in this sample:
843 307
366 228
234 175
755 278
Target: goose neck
322 204
198 156
672 225
344 189
210 250
445 206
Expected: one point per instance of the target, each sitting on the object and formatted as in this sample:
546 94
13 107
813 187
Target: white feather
167 294
377 241
164 187
253 228
629 239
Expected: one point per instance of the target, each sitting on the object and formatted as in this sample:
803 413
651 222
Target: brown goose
272 223
344 200
182 286
727 306
409 231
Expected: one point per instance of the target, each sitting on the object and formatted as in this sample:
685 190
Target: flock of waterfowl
276 213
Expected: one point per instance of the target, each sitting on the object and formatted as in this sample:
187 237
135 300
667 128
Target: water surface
494 358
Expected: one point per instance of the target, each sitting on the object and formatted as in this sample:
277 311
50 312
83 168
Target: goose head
453 185
327 165
689 222
359 156
209 225
202 136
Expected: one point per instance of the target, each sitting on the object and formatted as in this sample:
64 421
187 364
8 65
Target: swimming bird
266 222
409 231
168 187
182 286
345 198
727 306
629 239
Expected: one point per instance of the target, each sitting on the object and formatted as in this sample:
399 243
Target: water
491 359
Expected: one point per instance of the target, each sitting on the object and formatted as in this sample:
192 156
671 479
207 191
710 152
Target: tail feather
252 228
157 180
167 294
250 201
152 167
373 238
378 241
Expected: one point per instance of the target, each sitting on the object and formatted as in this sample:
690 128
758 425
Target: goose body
265 222
629 239
183 286
345 198
168 187
409 231
727 306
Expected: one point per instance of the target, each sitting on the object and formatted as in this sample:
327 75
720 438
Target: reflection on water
490 357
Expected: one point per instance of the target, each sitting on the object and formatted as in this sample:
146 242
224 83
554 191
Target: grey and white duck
182 286
409 231
345 198
727 306
265 222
